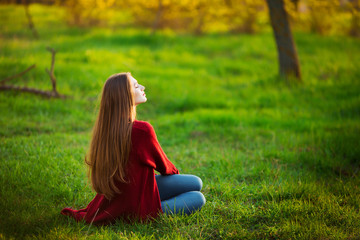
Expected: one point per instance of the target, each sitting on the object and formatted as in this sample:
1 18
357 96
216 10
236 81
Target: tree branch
51 71
2 82
32 90
48 94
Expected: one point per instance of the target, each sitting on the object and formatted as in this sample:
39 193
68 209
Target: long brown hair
111 138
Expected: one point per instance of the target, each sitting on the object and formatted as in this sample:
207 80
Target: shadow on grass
41 222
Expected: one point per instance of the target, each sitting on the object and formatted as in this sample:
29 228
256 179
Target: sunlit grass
277 161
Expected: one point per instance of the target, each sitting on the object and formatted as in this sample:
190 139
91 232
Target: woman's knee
198 183
173 185
195 182
201 198
186 203
197 198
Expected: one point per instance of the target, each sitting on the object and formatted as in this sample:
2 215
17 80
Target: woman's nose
142 88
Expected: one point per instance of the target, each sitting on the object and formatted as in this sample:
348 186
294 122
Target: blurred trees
322 14
202 16
29 18
196 16
88 12
325 16
242 16
45 2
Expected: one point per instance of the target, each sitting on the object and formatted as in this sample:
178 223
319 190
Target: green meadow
278 160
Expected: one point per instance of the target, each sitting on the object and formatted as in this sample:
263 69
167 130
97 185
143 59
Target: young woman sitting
123 155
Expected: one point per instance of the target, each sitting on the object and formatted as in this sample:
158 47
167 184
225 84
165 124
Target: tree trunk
157 20
201 19
29 18
355 18
289 66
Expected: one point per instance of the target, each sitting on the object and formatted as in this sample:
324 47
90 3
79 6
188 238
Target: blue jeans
180 193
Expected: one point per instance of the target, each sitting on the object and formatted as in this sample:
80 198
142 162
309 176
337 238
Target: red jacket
140 197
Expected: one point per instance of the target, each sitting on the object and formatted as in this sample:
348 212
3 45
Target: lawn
277 160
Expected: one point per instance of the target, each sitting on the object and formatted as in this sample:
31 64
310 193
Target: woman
122 158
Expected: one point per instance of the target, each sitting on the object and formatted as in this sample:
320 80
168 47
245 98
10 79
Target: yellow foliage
321 14
325 16
88 12
198 16
291 9
242 15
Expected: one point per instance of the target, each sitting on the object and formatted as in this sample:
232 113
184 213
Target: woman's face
139 94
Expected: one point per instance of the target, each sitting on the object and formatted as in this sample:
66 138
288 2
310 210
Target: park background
279 157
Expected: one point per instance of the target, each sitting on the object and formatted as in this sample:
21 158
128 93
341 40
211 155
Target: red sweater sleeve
152 154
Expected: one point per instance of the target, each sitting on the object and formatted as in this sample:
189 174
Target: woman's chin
140 102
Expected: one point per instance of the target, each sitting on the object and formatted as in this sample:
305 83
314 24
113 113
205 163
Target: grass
277 161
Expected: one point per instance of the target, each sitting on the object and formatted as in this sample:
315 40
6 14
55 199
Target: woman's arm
154 155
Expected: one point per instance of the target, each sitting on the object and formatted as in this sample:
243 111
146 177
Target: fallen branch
53 93
48 94
17 75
